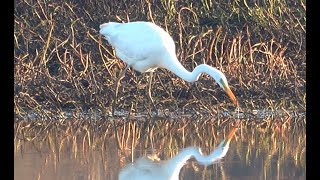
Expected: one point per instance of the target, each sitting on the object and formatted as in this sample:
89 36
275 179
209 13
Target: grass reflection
268 148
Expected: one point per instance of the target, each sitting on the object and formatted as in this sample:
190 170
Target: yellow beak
230 135
230 94
227 140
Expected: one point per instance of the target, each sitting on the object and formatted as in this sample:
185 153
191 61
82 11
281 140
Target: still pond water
96 150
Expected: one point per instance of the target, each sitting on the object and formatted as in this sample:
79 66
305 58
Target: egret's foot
113 109
155 110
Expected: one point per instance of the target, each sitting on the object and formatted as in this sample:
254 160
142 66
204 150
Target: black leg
149 93
117 88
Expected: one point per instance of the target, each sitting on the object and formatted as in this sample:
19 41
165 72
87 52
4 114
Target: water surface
93 149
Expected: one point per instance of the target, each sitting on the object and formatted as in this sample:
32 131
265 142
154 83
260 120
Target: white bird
145 168
144 46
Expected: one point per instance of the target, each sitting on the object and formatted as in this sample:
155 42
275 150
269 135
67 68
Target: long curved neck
214 156
174 165
172 64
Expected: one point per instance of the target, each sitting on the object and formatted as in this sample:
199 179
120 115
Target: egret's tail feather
107 28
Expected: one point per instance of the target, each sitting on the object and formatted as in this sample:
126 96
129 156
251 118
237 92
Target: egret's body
169 170
144 46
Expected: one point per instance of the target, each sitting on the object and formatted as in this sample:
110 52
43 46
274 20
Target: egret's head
226 88
231 134
222 81
225 143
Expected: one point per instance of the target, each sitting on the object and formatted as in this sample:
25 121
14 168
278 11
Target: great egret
145 168
144 46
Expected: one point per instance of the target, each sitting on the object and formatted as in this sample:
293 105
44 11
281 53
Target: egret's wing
137 40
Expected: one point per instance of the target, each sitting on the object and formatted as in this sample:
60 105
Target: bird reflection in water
151 168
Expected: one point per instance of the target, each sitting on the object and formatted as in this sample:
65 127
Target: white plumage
139 44
145 168
144 46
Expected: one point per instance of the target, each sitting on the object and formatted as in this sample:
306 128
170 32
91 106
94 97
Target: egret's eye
222 83
145 46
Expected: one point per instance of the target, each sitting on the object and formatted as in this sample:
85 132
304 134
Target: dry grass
61 67
60 64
